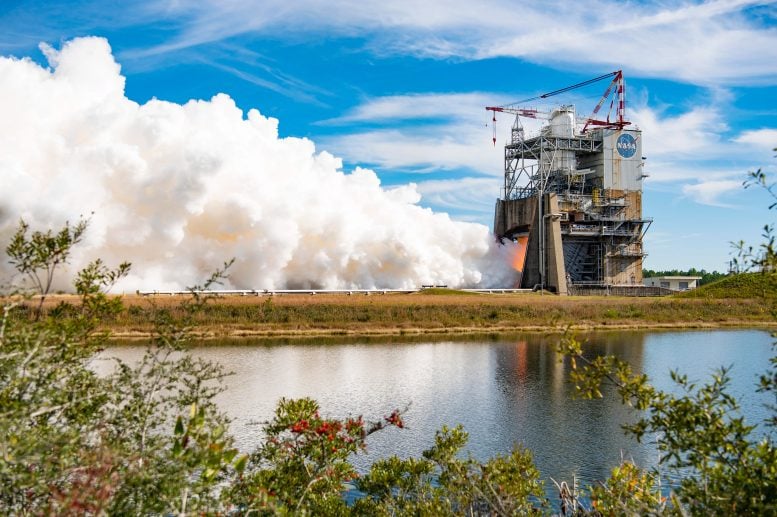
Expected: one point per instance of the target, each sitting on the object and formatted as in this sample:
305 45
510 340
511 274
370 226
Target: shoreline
399 332
392 316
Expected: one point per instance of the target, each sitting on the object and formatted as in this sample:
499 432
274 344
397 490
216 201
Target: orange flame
519 259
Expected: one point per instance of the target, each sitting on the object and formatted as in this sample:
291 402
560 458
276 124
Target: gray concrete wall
554 251
514 216
520 216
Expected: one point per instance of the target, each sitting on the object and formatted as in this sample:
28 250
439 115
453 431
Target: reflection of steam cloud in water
177 189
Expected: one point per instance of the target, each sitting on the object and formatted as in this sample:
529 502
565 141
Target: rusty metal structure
572 195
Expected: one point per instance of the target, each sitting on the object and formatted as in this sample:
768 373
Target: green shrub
148 439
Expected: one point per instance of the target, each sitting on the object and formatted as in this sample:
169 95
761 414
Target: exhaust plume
178 189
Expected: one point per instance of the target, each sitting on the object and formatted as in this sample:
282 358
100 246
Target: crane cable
562 90
551 94
493 123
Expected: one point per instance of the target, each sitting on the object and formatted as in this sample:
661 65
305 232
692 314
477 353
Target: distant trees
706 276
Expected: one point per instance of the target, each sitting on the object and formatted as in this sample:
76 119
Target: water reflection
540 412
504 391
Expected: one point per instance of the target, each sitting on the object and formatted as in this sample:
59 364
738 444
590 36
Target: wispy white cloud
277 83
686 153
687 134
240 62
420 149
764 139
710 192
422 133
472 198
429 133
712 42
681 171
418 106
707 43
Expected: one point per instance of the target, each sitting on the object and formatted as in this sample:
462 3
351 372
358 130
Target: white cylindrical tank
562 122
562 125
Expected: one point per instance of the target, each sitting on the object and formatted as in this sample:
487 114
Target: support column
554 251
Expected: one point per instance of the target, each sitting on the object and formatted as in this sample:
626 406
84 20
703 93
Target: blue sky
400 87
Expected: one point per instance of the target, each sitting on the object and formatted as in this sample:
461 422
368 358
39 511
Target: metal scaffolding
601 224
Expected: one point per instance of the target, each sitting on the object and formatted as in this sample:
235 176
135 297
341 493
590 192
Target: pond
504 390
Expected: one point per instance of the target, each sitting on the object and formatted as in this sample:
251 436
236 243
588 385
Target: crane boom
522 112
616 85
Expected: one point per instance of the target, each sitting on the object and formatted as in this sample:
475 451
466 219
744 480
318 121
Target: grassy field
442 311
746 285
397 314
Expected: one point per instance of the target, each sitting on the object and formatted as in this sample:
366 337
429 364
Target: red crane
616 88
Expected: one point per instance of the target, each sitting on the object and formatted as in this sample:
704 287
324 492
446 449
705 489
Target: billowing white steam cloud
178 189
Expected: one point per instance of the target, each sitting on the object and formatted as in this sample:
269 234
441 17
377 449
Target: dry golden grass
403 314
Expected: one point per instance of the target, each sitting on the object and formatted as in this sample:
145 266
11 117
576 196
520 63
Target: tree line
706 276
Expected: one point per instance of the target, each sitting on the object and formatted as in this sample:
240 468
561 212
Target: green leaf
241 463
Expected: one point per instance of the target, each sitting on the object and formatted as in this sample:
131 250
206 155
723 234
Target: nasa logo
626 145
